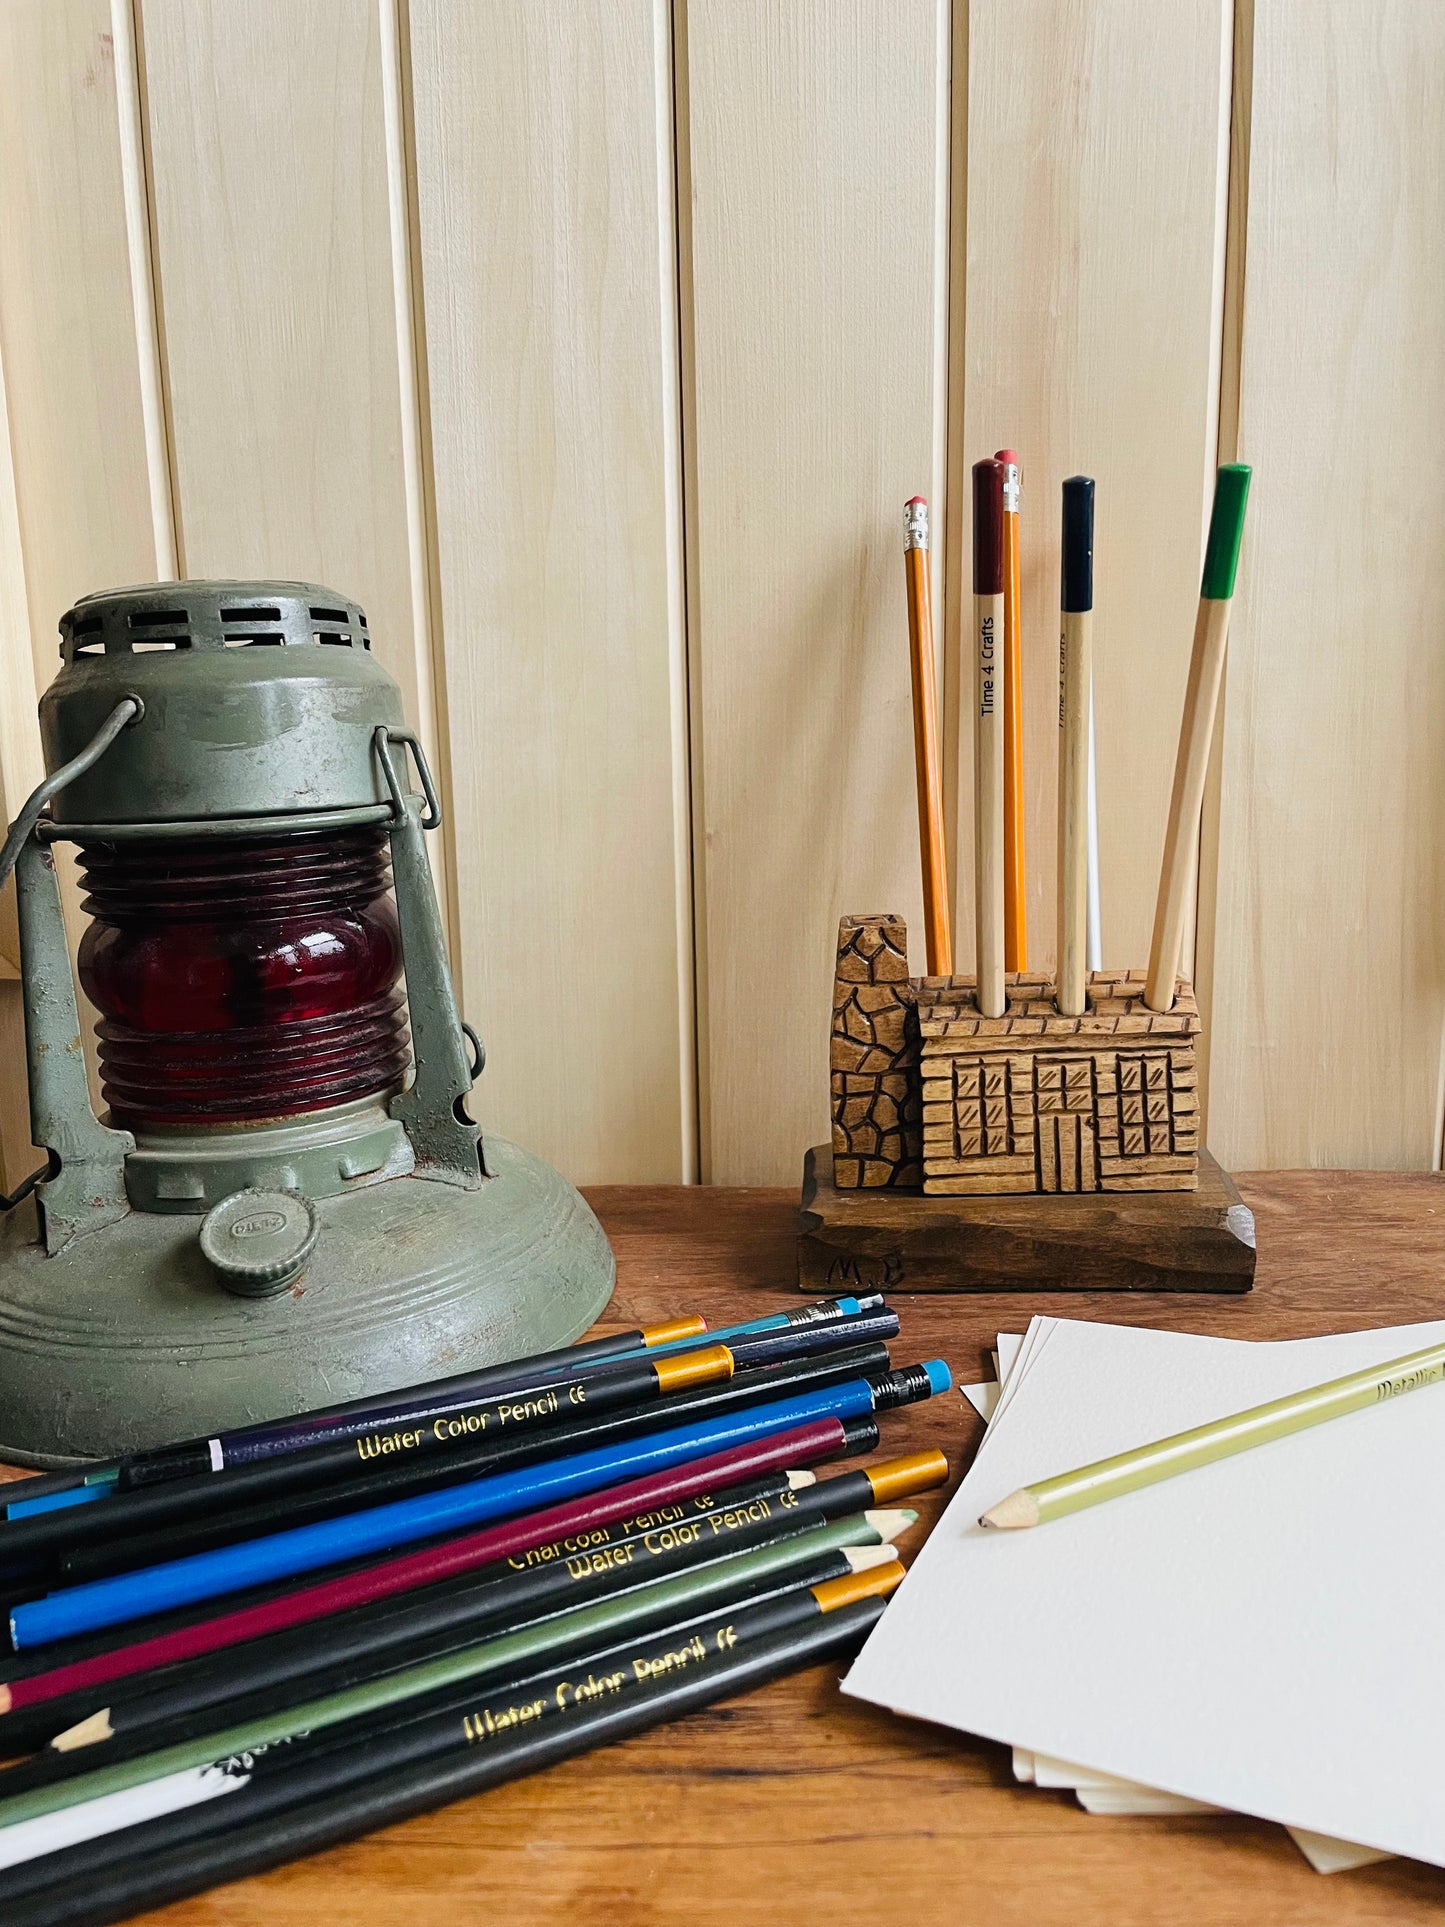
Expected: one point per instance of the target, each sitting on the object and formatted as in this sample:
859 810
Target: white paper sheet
982 1397
1260 1635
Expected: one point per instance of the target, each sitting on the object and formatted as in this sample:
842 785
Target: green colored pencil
720 1578
1034 1505
1196 733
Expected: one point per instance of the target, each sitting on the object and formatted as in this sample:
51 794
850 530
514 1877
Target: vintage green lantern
287 1203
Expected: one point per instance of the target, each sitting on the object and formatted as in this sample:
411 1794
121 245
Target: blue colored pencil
256 1562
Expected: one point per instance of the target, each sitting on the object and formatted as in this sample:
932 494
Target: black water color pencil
33 1725
198 1726
428 1422
859 1436
150 1528
169 1461
277 1778
155 1872
330 1655
248 1444
204 1495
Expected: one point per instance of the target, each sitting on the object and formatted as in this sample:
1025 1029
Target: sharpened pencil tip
87 1733
862 1558
1012 1514
890 1524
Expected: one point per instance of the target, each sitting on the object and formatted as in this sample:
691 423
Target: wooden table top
795 1804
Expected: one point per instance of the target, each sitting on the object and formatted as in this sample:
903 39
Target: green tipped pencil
1034 1505
1196 732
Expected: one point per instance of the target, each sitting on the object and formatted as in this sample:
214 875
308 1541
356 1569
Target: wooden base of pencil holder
1031 1149
890 1240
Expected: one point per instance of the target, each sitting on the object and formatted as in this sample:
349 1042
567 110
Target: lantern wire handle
128 710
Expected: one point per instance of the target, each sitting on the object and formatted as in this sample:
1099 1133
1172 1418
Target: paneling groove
818 287
273 234
131 121
544 160
393 29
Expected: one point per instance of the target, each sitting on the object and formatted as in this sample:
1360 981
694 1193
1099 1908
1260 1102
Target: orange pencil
1015 905
938 934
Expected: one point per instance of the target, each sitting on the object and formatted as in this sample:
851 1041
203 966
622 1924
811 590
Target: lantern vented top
210 615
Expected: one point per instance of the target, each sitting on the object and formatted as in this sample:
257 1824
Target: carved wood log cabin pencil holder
1029 1151
1011 1129
929 1095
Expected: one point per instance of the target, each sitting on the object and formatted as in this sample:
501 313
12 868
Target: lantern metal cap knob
258 1241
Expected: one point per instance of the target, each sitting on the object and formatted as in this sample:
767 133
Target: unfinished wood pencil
1201 700
988 735
1096 935
1015 894
1076 671
928 763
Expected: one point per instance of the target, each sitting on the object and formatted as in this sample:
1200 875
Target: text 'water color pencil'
145 1881
611 1561
247 1444
279 1779
193 1514
803 1445
181 1582
61 1786
62 1489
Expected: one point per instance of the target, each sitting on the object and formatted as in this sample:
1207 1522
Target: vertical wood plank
20 769
543 154
817 146
1097 142
67 331
267 145
1328 997
73 374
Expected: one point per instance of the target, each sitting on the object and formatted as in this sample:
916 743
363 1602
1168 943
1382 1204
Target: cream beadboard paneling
67 327
275 196
815 339
1328 955
547 259
82 424
596 346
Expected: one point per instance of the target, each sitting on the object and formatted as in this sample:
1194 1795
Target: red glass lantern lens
238 981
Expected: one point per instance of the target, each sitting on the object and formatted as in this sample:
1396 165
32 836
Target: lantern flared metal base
126 1339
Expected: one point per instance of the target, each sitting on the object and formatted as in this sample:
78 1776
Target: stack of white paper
1260 1635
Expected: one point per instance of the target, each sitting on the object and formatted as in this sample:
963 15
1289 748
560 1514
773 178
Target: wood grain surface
795 1805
